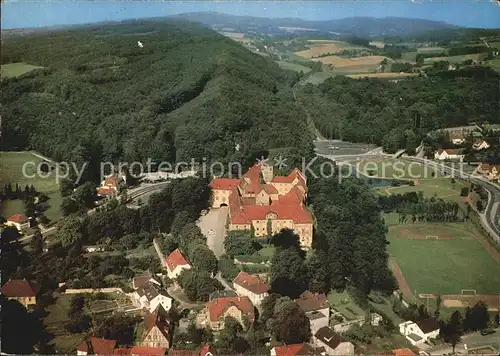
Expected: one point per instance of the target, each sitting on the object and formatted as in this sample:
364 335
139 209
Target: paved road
472 341
213 226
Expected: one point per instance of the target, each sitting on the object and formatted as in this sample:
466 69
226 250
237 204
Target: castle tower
267 172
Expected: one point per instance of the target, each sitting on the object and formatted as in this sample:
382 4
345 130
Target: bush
464 192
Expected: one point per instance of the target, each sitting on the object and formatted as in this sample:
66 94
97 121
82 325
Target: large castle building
259 197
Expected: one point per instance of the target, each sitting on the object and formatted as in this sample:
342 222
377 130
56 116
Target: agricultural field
409 56
16 69
382 75
294 67
442 258
320 47
456 59
360 64
11 168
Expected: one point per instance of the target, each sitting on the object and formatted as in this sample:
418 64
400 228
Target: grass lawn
11 171
55 321
16 69
267 251
434 187
495 64
293 66
389 342
344 304
454 262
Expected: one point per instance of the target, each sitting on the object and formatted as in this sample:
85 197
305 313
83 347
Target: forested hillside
187 93
394 114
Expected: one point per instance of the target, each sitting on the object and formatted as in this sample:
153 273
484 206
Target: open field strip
16 69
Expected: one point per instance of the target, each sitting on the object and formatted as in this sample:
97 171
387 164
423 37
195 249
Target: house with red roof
19 221
489 171
22 290
218 309
264 202
96 346
140 351
454 154
293 349
157 329
110 185
247 285
176 263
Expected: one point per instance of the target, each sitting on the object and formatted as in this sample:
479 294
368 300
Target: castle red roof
18 218
97 346
175 259
19 288
224 183
147 351
251 283
218 306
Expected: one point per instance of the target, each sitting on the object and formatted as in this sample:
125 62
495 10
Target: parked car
485 332
204 212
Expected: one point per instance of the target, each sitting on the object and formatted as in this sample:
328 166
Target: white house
479 145
449 154
458 138
333 343
489 171
316 308
420 332
93 248
176 263
19 221
252 287
375 319
150 297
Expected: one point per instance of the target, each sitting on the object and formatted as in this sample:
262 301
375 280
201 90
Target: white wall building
176 263
247 285
420 332
150 297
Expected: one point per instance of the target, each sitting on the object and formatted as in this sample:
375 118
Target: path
42 157
402 283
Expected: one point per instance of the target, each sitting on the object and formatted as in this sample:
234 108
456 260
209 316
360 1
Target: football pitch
444 258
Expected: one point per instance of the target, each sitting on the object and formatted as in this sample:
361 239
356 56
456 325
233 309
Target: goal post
468 292
432 237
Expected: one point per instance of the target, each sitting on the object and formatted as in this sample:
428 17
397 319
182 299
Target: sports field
11 171
442 258
16 69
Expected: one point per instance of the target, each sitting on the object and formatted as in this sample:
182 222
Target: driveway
213 226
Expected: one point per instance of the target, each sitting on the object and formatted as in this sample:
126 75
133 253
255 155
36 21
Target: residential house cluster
262 201
104 347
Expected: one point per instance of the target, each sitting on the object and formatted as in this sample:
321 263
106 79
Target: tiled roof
218 306
159 319
270 189
141 281
147 351
175 259
294 349
251 283
428 325
112 181
205 349
18 218
329 337
224 183
403 352
312 301
451 151
16 288
97 346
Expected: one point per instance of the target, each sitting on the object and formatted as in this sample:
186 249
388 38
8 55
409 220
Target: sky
42 13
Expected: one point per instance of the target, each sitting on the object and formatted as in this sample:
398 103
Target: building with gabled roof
293 350
150 297
19 221
176 263
316 308
421 331
449 154
157 329
259 197
479 145
22 290
251 286
333 343
110 185
218 309
96 346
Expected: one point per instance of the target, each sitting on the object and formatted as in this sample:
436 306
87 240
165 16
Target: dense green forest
187 93
395 114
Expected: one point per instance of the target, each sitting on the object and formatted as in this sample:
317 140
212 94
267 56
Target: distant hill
357 26
189 92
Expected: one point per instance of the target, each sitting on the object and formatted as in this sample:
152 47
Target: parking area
213 226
